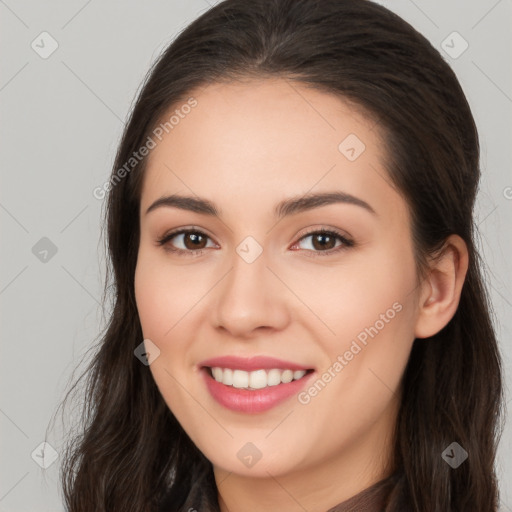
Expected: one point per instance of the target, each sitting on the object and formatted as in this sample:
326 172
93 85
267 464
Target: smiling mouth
257 379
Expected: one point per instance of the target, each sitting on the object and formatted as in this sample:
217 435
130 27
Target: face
252 282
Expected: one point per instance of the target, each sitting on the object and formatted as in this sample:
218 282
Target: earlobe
441 289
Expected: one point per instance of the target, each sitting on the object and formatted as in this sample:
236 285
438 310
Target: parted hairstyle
130 453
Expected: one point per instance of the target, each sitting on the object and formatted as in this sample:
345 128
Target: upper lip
251 363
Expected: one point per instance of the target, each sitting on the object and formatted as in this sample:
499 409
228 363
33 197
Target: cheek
163 300
364 292
371 310
164 294
151 299
374 319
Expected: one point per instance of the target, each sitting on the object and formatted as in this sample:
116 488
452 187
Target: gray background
61 119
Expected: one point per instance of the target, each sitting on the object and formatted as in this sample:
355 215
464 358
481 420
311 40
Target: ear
441 289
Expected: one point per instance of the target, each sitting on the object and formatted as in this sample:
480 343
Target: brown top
371 499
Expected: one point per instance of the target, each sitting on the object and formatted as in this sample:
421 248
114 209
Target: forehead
268 139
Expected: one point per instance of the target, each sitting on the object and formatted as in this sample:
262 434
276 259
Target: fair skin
246 147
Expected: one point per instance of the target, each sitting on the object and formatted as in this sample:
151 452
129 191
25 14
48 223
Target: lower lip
252 401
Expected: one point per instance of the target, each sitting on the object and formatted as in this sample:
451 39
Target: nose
251 299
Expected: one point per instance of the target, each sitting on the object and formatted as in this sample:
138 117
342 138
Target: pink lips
251 364
246 400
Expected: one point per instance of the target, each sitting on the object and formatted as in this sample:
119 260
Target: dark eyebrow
309 201
287 207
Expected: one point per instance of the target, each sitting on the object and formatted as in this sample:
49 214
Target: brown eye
185 241
323 242
193 240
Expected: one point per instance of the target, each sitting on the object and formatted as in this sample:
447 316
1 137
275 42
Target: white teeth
217 374
240 379
273 377
287 376
258 379
226 376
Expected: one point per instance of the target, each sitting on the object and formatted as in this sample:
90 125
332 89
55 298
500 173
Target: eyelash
346 243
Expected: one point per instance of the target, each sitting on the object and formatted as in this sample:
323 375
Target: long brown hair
131 453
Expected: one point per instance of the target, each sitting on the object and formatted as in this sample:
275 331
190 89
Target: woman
299 319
